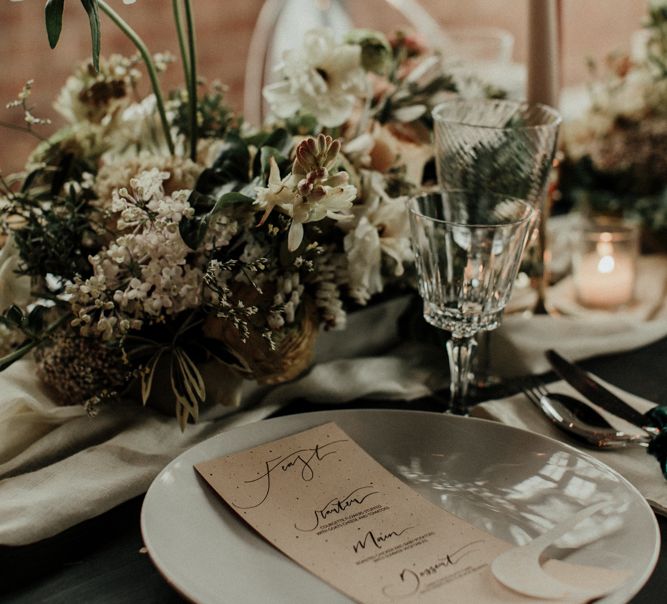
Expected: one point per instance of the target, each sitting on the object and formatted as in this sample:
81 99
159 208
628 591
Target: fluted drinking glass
501 146
468 247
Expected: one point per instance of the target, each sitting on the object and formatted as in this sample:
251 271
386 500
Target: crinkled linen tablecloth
59 467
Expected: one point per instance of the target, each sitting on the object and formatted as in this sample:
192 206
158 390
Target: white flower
364 257
98 97
138 127
323 79
14 289
142 274
382 228
278 193
309 193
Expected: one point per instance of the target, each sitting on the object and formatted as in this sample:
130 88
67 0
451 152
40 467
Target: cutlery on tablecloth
654 421
594 391
580 420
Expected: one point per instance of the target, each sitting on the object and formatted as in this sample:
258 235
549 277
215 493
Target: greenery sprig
53 12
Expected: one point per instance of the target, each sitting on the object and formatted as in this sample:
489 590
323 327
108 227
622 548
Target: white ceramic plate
510 482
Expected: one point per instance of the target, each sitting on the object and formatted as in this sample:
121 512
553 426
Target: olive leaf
53 16
91 8
53 13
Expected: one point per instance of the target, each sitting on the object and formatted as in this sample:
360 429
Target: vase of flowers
154 237
615 154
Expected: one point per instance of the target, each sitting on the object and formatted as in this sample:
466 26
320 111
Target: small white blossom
323 79
142 274
310 193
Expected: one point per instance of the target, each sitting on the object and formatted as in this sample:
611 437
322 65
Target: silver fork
577 418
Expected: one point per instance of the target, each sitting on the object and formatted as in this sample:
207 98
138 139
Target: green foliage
214 118
90 6
657 42
613 193
32 324
206 207
57 235
376 53
53 13
53 17
176 349
302 125
232 165
507 164
232 178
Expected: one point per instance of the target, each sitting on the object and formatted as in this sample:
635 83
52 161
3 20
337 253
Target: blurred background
589 28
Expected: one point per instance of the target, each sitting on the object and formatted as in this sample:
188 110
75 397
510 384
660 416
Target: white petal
410 113
295 236
282 101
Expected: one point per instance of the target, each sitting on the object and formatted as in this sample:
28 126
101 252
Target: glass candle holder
604 263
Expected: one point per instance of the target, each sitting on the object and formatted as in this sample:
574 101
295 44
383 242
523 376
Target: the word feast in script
322 500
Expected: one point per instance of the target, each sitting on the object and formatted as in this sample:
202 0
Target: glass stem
460 351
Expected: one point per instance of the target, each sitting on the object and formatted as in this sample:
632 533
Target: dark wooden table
101 561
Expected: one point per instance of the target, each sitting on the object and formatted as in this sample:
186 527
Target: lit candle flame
605 250
606 264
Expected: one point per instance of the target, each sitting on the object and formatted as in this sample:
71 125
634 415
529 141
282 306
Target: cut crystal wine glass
468 247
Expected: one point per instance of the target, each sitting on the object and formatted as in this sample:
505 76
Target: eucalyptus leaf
231 198
91 8
53 14
230 170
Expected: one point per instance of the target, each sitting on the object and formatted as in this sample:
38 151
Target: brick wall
224 29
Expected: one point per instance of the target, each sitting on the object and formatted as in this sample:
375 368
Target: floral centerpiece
151 236
616 154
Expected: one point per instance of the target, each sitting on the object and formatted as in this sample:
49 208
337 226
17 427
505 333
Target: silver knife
594 391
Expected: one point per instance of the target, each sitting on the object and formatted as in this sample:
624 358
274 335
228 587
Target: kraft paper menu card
321 499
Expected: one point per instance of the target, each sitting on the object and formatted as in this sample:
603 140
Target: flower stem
31 343
175 4
22 129
150 67
192 79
